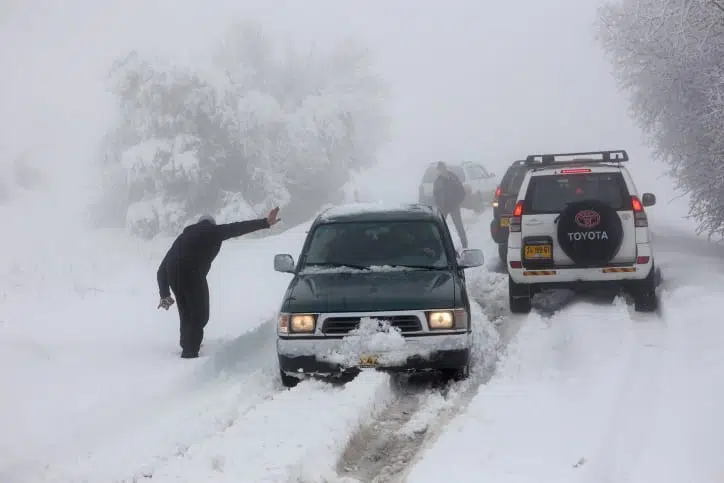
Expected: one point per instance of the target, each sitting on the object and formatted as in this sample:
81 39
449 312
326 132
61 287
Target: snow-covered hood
373 291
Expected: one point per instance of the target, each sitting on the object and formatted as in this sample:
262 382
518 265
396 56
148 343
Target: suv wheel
519 296
503 252
288 381
644 293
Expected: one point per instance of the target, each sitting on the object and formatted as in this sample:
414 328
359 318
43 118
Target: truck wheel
456 374
288 381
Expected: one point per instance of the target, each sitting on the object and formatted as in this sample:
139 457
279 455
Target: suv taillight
515 220
640 218
497 195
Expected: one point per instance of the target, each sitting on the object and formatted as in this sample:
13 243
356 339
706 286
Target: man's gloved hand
166 303
272 217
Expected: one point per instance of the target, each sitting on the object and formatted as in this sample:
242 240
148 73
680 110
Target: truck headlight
440 320
448 319
303 323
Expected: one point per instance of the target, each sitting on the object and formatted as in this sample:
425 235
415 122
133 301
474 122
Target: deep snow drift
91 355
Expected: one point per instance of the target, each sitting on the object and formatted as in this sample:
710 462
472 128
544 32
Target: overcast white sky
488 81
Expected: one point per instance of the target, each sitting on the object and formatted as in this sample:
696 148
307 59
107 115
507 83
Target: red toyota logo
588 219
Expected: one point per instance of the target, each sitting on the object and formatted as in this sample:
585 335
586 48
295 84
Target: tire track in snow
296 436
205 399
387 448
384 448
632 415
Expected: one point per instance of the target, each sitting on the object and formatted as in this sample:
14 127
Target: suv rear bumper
314 356
558 276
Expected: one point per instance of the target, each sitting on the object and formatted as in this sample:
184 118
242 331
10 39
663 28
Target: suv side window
512 180
477 172
549 194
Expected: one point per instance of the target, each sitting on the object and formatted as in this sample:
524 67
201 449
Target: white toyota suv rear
580 224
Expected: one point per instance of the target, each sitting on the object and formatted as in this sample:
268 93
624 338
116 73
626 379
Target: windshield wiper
421 267
339 264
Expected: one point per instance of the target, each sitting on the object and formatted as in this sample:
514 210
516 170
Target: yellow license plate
538 252
368 361
505 222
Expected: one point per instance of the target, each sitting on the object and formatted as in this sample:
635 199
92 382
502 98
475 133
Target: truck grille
342 325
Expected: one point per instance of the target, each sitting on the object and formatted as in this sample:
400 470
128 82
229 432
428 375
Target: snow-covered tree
18 173
669 55
254 127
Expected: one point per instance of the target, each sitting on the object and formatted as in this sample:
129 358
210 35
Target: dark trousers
457 219
192 300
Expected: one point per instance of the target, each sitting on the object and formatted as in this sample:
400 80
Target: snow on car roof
354 210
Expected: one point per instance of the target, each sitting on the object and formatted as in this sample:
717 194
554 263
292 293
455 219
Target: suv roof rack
613 156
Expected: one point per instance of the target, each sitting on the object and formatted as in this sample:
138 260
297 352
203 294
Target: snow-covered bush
18 173
669 55
256 126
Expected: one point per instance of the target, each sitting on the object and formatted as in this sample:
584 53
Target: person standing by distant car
185 267
449 193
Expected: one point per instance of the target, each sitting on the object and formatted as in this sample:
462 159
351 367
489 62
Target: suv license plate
538 252
505 221
368 361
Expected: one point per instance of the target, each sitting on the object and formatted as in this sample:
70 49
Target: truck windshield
416 244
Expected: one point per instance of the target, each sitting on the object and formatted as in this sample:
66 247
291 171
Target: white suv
580 224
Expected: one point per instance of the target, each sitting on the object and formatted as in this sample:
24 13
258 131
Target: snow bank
127 440
297 436
86 345
598 393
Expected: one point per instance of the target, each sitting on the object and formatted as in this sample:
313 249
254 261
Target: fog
91 362
469 80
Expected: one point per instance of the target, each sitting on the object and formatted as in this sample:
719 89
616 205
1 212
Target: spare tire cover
590 232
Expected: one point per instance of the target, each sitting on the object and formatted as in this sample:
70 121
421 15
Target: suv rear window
431 173
552 193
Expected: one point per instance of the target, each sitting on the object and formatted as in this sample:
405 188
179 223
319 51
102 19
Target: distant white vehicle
581 223
479 184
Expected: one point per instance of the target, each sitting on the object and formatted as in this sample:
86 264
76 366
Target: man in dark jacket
449 194
184 270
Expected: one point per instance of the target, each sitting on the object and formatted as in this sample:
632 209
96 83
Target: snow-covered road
598 393
592 393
